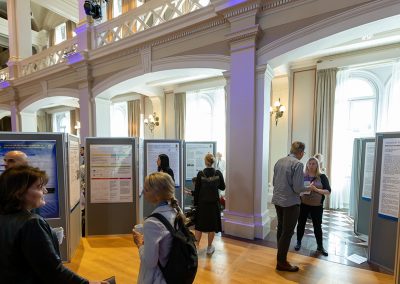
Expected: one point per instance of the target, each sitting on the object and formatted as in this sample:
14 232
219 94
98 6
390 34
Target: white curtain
389 114
342 143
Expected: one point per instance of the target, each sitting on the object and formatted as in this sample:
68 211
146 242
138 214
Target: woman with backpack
207 202
158 240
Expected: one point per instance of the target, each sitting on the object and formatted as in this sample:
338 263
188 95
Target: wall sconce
152 121
278 109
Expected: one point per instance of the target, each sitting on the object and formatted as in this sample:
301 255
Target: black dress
208 215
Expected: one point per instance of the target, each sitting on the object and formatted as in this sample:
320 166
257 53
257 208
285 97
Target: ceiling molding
67 8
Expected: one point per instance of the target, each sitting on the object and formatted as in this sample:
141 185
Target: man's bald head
15 158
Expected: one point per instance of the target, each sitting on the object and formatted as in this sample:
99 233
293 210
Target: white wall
302 109
279 135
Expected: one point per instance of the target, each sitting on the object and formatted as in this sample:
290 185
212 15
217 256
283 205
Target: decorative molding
145 55
248 32
329 22
244 7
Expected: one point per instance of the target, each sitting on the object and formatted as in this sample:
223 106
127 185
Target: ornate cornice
248 32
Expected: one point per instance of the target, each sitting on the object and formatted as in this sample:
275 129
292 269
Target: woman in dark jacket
29 249
312 203
163 165
206 199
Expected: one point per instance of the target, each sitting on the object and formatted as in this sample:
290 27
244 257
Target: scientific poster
111 173
74 181
368 170
390 178
195 153
171 150
41 154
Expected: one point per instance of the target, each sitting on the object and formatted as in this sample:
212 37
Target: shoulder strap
163 220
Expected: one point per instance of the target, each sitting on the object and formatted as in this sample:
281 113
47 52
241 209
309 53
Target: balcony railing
148 15
4 74
151 14
47 58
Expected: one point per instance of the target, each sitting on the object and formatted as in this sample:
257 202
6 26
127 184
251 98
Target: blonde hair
318 172
162 185
209 160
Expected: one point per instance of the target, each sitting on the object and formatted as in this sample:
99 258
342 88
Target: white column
103 118
85 111
263 97
19 33
15 117
28 122
241 214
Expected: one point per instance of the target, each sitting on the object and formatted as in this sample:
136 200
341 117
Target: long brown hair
14 183
164 187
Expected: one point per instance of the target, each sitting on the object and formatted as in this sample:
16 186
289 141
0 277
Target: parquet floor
234 261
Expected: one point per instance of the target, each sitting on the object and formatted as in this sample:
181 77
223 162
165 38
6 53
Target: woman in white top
155 243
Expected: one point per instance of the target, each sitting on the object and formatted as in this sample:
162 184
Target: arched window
355 117
205 116
390 103
61 122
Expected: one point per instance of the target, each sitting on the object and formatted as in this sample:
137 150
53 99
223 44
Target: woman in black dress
206 198
163 165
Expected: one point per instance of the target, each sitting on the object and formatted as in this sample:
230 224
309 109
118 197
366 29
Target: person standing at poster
163 165
29 250
15 158
288 182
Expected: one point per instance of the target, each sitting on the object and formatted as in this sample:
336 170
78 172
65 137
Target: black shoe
297 246
287 267
322 251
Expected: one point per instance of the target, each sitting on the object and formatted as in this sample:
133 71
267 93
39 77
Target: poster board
173 149
111 185
193 160
48 151
366 158
385 200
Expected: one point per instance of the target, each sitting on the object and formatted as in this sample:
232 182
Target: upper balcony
149 15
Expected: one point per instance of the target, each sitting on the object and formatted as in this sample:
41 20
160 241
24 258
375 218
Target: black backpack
209 188
181 267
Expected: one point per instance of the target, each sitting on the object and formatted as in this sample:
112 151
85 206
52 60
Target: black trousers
316 217
287 219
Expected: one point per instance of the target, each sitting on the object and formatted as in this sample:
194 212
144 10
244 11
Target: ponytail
180 217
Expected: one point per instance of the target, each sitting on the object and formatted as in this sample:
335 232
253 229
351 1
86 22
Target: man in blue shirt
288 182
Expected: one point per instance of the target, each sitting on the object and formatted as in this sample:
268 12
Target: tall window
62 122
355 117
119 119
117 8
60 33
205 116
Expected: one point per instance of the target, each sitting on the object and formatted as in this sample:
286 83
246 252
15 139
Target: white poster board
368 170
74 180
195 153
390 178
171 149
111 173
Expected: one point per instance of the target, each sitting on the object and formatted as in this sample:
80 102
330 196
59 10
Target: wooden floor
233 262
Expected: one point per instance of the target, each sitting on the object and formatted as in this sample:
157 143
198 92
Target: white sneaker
210 249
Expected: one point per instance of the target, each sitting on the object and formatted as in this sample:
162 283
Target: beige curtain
51 37
180 115
74 117
49 122
324 102
110 8
134 118
70 27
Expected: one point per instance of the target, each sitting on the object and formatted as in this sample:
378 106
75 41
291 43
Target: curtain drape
51 37
134 118
180 115
70 27
325 104
74 117
341 146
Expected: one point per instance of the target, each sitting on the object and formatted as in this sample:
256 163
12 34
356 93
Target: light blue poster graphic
41 154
